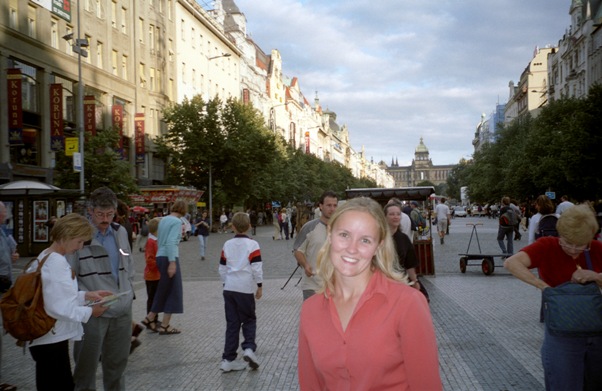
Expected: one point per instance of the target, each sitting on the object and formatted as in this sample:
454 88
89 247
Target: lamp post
210 168
78 47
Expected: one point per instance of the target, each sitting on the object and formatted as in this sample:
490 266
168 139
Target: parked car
186 228
460 211
477 210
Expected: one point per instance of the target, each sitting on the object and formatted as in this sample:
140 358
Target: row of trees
558 151
249 164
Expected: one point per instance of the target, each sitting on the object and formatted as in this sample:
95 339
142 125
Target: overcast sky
398 70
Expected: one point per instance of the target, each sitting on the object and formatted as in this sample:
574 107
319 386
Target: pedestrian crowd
359 275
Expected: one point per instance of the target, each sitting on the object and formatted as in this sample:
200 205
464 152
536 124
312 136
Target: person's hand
97 295
259 293
14 256
171 269
98 310
308 271
416 284
582 276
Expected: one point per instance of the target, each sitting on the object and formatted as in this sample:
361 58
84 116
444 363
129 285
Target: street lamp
78 46
210 168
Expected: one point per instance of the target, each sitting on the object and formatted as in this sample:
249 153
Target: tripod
292 274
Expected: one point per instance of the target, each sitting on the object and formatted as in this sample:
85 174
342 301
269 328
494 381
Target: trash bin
424 252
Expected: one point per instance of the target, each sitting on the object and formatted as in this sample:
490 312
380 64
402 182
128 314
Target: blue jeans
506 232
571 363
203 244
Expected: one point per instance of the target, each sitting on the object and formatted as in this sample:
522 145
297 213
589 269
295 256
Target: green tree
103 166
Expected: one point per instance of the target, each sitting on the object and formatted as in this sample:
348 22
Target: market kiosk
424 245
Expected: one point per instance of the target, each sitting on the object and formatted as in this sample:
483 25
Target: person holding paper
64 302
105 263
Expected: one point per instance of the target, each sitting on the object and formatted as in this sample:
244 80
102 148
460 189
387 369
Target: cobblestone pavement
487 326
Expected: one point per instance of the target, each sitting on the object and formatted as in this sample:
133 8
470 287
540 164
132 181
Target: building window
88 59
192 34
152 79
114 57
31 22
141 30
98 9
12 22
114 14
69 50
151 37
54 33
184 72
124 67
99 53
142 75
124 19
182 30
170 52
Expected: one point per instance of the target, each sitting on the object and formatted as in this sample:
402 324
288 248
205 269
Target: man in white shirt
564 205
443 217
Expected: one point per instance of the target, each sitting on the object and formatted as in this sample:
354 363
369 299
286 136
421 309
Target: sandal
7 387
168 330
150 324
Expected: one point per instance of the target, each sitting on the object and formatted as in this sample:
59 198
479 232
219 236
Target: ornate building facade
422 169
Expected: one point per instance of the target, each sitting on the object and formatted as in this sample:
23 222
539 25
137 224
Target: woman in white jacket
64 302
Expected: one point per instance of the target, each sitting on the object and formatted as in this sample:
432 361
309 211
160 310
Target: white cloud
395 71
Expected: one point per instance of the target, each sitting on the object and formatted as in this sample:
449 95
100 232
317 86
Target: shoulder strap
40 263
588 260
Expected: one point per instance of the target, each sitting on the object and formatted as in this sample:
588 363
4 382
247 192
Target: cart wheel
488 266
463 263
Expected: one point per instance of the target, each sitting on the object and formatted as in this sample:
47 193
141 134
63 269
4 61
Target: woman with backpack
545 208
64 302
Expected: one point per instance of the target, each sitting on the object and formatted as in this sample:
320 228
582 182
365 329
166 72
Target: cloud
395 71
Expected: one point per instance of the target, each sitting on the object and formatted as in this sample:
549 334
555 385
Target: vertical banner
246 96
57 137
117 121
307 143
90 115
15 107
139 137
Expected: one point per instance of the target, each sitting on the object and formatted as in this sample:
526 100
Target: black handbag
574 310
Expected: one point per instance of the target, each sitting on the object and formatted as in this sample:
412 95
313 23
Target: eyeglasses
570 247
108 215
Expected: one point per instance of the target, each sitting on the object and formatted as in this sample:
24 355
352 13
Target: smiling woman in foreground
366 329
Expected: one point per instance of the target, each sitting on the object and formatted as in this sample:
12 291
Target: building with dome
422 169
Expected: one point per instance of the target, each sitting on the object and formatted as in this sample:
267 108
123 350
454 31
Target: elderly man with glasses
105 263
570 363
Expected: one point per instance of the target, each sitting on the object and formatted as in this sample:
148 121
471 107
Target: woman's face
570 249
72 245
354 240
393 217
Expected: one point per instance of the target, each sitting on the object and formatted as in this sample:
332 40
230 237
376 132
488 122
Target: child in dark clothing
240 268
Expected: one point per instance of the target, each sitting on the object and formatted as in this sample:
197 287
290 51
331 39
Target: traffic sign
551 195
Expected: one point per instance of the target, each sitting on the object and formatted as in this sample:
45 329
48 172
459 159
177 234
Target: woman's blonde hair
578 224
71 226
385 256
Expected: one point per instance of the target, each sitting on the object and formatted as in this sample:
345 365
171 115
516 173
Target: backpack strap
40 263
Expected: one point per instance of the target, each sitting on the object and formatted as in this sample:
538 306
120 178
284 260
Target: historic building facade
422 169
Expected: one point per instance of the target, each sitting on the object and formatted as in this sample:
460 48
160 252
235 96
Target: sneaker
250 357
202 258
233 365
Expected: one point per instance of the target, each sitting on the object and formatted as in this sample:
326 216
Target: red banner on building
57 137
307 143
90 114
117 121
15 107
139 137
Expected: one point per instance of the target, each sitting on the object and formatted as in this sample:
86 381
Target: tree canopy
249 164
558 151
